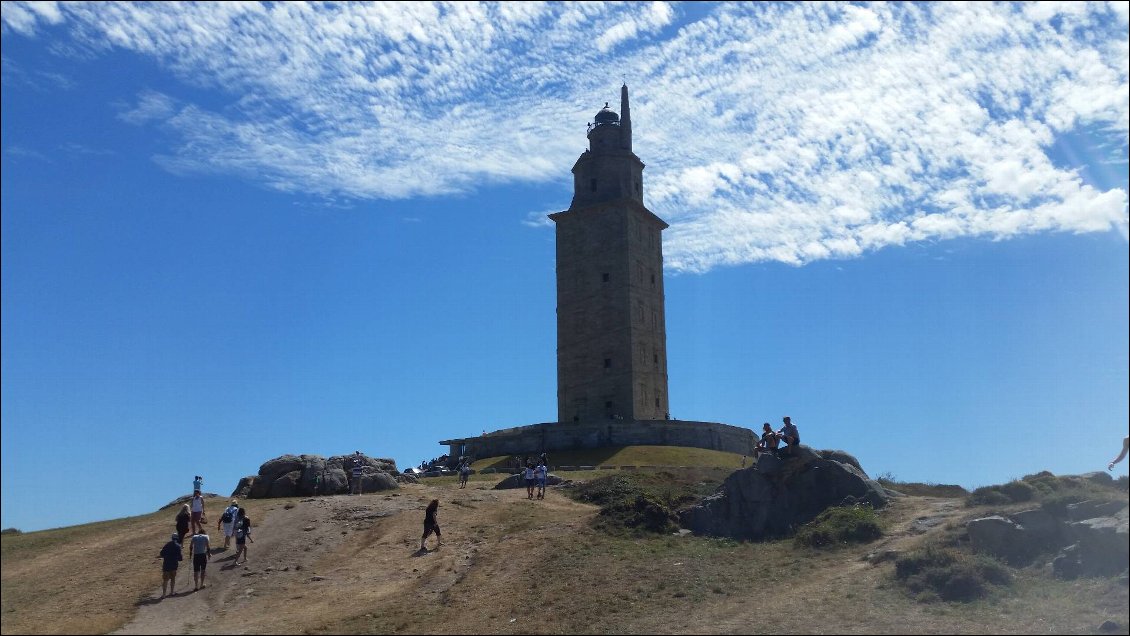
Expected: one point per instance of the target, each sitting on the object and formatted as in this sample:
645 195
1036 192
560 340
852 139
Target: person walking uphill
197 507
182 523
431 524
170 559
201 554
227 523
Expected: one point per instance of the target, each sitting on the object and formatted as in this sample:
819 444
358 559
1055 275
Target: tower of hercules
611 338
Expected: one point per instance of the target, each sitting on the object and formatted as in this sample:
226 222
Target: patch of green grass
840 525
630 456
939 573
922 489
645 502
1054 493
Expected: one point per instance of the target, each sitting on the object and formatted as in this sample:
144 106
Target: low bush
943 573
645 502
841 525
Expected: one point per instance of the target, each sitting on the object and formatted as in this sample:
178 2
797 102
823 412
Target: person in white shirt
530 481
227 522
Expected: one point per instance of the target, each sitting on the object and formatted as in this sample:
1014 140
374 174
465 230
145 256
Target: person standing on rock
170 559
197 507
197 484
431 524
242 535
201 554
183 518
227 523
789 435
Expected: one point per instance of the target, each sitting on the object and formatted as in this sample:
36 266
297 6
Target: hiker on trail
1125 449
201 554
464 474
431 525
789 435
171 557
769 441
197 507
540 473
358 469
182 523
197 483
227 522
242 535
530 481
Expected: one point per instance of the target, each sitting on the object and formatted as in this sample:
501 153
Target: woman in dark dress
431 525
182 524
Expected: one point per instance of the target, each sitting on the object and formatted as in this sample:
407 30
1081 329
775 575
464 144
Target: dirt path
311 562
288 546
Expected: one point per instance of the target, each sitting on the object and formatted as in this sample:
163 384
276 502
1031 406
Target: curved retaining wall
557 436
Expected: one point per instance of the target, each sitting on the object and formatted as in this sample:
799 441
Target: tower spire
625 120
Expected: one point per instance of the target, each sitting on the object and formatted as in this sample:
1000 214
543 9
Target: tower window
604 277
655 358
608 363
653 280
592 184
656 402
637 187
608 404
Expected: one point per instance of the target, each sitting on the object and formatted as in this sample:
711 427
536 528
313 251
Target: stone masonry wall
556 436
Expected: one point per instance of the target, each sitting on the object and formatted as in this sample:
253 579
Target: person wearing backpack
170 558
227 522
242 535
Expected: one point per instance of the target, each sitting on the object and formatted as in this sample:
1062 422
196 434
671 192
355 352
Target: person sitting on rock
769 441
789 435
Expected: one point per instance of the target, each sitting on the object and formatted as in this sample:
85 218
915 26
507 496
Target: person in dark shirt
182 524
242 535
431 525
789 435
170 557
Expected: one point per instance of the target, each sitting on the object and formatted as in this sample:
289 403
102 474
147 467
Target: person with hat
227 522
170 557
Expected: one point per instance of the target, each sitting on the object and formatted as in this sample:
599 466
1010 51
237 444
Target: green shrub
942 573
988 496
645 502
841 525
1018 491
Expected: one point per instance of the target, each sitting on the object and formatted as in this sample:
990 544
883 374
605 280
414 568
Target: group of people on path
233 522
771 440
536 477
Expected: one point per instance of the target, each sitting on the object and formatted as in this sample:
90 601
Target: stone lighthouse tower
611 334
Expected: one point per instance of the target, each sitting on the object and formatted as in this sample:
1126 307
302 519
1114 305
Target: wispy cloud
789 132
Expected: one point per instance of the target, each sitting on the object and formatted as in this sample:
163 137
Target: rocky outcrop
306 475
1092 538
777 495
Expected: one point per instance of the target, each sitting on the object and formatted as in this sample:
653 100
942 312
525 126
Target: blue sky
232 231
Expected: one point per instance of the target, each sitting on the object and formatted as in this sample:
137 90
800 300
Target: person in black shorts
242 535
201 554
431 525
171 557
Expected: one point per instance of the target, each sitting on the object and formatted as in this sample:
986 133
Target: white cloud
788 132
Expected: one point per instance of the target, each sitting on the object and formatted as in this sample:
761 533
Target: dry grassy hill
349 564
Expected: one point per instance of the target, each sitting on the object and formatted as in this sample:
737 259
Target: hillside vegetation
508 565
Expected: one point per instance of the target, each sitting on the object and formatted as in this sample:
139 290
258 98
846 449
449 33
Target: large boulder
1104 544
1002 538
755 504
243 488
296 475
